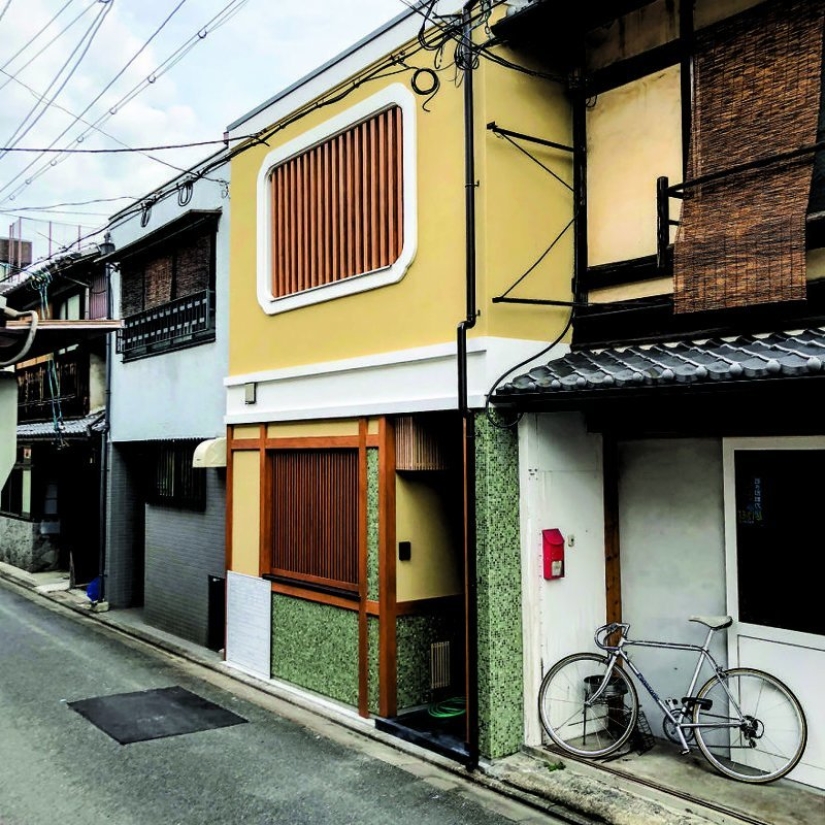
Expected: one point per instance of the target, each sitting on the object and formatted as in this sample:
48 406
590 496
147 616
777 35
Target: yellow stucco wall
519 204
634 135
521 207
312 429
427 518
246 512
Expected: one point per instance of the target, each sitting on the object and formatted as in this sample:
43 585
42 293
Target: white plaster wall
671 523
176 394
560 467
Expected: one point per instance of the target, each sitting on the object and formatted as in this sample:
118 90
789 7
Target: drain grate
153 714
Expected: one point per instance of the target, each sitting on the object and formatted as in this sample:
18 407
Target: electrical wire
83 46
201 170
53 206
117 76
508 425
27 344
31 40
5 9
218 20
92 126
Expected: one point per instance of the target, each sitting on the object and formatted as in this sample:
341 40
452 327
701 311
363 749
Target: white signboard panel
248 623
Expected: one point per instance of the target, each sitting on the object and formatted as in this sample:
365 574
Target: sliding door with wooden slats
315 517
337 209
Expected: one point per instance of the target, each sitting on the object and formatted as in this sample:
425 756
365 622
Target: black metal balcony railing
66 383
179 323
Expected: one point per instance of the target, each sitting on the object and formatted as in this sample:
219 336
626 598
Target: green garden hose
456 706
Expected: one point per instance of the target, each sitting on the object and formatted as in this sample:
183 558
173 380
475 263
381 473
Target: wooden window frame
394 95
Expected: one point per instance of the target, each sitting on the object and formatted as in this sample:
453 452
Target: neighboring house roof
677 365
190 219
72 428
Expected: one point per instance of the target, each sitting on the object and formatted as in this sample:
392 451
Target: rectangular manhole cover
153 714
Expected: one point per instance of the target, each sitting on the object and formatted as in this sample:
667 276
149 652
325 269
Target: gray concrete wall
673 554
183 548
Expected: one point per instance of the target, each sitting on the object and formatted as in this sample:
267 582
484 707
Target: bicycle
747 723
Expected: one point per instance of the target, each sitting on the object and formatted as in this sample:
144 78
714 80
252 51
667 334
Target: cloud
232 69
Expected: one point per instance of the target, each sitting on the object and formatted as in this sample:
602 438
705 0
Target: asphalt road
290 769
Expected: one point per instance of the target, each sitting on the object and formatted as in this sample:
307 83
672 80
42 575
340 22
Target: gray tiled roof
739 359
72 427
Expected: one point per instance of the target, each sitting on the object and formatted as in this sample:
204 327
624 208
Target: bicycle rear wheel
762 729
576 723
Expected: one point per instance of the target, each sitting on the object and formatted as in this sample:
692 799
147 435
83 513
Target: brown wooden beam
388 674
612 556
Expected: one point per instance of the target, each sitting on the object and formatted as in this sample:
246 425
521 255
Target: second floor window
336 205
165 276
337 209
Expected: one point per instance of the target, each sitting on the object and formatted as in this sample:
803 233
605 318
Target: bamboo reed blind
315 516
337 209
756 95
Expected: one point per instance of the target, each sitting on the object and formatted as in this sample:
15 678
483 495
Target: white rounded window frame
393 95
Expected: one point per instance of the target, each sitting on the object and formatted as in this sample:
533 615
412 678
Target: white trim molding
402 381
395 94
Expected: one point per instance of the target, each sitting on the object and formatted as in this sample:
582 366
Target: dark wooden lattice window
172 479
337 209
153 280
315 517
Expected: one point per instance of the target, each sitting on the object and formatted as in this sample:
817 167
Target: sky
145 73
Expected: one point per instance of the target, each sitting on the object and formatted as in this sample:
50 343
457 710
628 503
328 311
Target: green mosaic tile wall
414 635
373 642
315 646
372 523
500 676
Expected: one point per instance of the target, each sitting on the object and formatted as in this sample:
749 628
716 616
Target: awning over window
210 453
731 363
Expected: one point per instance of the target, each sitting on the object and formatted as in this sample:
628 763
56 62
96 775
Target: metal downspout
104 444
468 417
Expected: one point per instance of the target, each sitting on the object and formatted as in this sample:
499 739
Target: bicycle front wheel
576 721
756 730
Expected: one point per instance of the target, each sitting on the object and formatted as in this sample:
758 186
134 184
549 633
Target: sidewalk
655 788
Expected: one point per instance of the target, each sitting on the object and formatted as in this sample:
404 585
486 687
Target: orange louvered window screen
315 517
337 209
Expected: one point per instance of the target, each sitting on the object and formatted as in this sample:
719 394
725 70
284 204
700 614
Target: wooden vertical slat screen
420 443
337 209
315 516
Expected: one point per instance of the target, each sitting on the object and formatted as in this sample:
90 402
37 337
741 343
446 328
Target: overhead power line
86 123
31 42
218 20
128 149
5 9
83 47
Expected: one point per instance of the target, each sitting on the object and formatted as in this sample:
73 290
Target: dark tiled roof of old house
728 361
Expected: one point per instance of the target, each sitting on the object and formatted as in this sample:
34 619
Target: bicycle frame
675 715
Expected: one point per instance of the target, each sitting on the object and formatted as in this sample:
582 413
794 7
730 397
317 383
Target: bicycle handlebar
607 630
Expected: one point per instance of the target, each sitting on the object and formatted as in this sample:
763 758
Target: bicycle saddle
715 622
